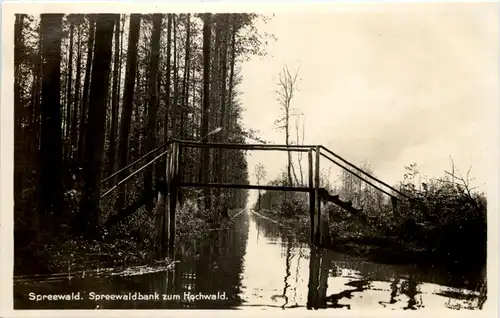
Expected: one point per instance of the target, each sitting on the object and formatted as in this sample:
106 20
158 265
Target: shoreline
387 250
77 256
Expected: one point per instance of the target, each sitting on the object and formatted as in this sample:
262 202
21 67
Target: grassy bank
444 223
129 243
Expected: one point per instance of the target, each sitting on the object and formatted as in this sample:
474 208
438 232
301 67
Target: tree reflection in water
323 279
364 276
213 266
289 257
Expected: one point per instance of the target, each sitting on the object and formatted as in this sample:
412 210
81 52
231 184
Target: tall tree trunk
232 119
215 97
193 103
161 163
34 154
185 94
223 96
77 96
69 101
153 100
175 106
136 133
86 84
122 31
20 156
195 124
231 76
64 100
69 95
128 98
143 82
94 142
51 139
114 99
206 103
118 94
221 166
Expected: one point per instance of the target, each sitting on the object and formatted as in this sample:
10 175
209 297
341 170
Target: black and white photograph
293 159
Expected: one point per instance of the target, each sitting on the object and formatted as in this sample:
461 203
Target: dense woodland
94 92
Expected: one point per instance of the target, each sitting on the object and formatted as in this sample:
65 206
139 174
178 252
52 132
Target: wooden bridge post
174 167
314 269
317 201
311 193
323 277
160 217
162 211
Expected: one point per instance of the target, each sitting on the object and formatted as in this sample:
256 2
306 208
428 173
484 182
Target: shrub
444 216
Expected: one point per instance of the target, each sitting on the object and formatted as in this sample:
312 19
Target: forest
96 92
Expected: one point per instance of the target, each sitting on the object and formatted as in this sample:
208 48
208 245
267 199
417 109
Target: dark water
252 265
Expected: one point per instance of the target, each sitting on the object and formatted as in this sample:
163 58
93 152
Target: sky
387 85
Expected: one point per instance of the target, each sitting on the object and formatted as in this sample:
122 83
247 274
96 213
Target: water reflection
339 281
257 263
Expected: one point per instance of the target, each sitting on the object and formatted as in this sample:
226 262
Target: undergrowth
130 242
444 221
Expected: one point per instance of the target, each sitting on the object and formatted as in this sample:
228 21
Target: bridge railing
324 152
126 194
362 175
314 178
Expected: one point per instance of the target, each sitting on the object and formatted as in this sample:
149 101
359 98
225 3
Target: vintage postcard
249 159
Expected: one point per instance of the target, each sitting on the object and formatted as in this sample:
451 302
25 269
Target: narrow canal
251 265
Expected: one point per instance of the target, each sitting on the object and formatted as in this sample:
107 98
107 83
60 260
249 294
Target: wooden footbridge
167 186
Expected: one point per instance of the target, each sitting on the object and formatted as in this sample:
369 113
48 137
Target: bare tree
300 141
287 85
460 182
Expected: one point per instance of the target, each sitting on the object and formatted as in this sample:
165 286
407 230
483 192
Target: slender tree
86 85
18 105
37 68
69 88
51 139
300 141
74 121
234 31
175 106
161 164
128 97
115 98
94 142
153 98
287 85
215 101
185 96
207 21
